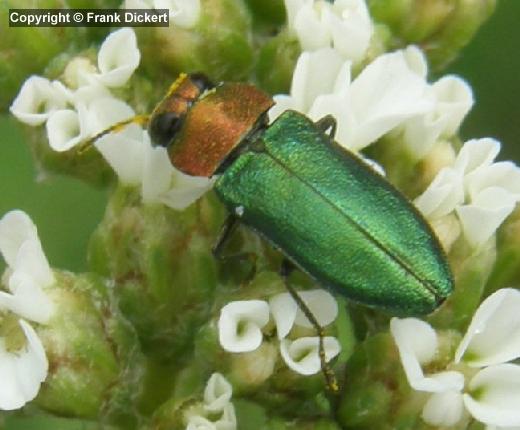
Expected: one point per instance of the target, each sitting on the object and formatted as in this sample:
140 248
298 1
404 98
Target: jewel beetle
330 214
326 210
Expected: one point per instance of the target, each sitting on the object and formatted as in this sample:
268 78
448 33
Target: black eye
163 128
201 81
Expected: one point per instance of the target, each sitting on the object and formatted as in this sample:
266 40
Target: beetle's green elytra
336 219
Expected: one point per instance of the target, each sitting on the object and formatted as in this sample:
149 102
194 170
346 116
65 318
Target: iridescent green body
336 219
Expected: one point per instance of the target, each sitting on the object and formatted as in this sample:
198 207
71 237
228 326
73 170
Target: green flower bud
91 352
219 43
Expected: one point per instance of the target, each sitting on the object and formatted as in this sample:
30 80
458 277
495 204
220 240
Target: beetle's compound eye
201 81
163 128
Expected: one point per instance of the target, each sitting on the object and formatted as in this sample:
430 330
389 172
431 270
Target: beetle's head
201 124
168 116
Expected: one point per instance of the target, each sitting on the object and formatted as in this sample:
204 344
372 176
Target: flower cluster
75 113
74 116
344 25
23 363
481 192
241 323
481 378
217 411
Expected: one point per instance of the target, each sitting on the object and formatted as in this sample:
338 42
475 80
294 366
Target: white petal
37 99
228 420
185 189
485 214
32 261
493 335
240 325
302 355
322 305
22 372
504 174
292 7
64 130
476 153
15 228
315 74
200 423
443 409
284 309
386 93
125 155
217 393
27 299
416 341
118 57
87 94
350 26
157 173
104 112
442 196
282 103
312 32
494 395
183 13
454 100
286 312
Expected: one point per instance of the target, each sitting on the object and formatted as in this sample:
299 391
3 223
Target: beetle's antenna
116 128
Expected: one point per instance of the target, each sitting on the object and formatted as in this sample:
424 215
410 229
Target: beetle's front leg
332 383
327 123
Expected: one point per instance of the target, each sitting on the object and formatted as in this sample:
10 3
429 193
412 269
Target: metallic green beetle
329 213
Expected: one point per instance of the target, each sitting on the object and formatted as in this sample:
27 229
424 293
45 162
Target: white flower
286 311
37 99
69 127
182 13
240 325
217 403
452 99
302 355
387 92
344 25
28 272
118 57
197 422
492 394
27 276
481 192
218 393
23 371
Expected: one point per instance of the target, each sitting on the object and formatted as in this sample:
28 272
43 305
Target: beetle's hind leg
328 123
332 383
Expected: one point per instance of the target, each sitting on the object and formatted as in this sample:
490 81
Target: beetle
329 213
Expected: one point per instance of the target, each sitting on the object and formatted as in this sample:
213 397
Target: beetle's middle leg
226 232
328 123
332 383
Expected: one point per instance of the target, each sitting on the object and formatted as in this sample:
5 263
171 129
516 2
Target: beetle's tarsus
328 123
286 269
